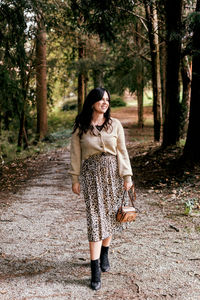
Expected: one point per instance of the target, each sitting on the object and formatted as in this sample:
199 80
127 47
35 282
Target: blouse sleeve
75 155
125 169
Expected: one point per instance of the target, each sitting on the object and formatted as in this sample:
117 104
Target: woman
99 155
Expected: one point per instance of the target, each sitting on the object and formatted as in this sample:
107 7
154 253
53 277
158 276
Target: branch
140 35
145 58
142 19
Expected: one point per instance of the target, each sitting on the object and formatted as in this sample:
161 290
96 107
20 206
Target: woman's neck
98 119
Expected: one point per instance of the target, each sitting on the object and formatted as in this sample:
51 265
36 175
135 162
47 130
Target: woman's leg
95 250
104 262
107 241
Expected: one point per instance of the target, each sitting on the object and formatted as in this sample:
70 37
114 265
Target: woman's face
102 105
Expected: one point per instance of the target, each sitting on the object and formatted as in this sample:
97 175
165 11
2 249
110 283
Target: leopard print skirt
103 191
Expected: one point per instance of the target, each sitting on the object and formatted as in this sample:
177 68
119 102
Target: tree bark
81 79
41 84
0 120
140 100
186 75
163 77
22 132
140 76
86 85
151 15
192 146
171 129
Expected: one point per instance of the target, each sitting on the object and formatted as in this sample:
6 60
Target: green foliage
16 54
7 144
104 18
60 127
117 102
70 105
58 136
61 120
189 205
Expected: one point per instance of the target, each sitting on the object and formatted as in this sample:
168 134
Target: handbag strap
131 195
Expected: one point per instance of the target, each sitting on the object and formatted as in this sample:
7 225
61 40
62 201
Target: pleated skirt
103 191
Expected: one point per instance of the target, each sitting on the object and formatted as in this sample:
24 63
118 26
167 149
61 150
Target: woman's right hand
76 188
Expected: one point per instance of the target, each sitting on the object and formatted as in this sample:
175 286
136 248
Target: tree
41 85
140 73
192 146
15 66
81 77
152 23
186 75
171 130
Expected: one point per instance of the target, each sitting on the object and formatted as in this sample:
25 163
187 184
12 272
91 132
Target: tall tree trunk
0 119
162 33
21 128
81 79
25 77
140 87
171 130
192 146
151 15
41 84
163 77
140 76
86 85
186 75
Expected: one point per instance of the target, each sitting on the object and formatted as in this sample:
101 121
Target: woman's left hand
127 185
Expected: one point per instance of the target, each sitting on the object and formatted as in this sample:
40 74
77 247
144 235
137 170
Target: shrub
61 120
117 102
72 105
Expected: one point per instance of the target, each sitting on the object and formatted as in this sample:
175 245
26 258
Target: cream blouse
111 141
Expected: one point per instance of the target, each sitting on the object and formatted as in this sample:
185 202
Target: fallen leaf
3 292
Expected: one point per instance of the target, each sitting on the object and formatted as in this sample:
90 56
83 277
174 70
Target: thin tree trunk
140 76
162 48
151 15
163 77
41 84
192 146
171 129
25 77
81 79
140 107
85 84
0 125
186 95
140 98
158 103
21 129
0 119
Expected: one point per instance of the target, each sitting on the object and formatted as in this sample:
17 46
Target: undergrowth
60 125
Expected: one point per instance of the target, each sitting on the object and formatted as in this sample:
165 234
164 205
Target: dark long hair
83 120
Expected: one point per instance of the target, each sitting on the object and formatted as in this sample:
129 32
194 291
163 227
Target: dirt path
44 249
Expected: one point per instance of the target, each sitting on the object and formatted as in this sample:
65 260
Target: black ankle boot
96 275
104 262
